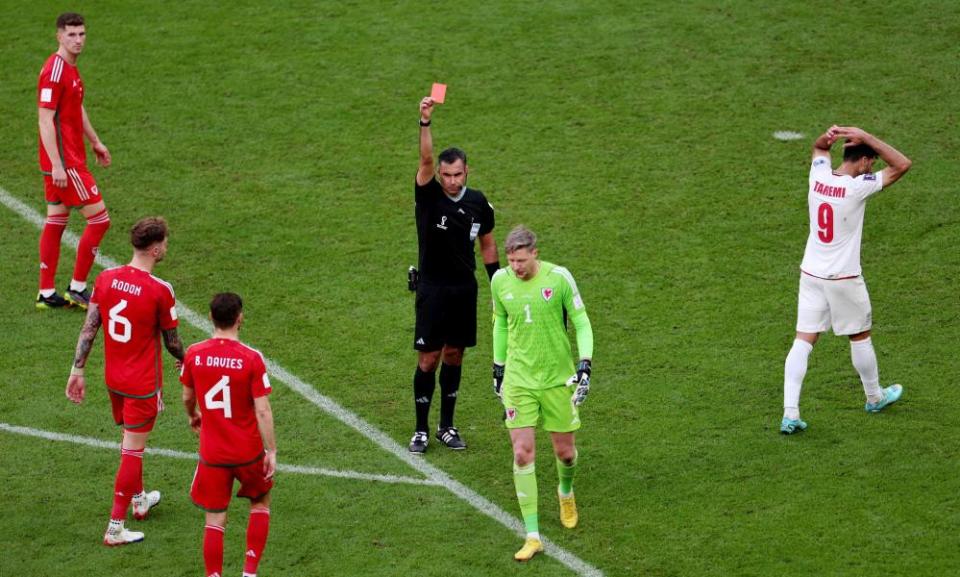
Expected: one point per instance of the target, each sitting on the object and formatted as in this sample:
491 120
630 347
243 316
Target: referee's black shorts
446 315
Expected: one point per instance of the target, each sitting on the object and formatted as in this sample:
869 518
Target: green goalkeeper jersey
529 332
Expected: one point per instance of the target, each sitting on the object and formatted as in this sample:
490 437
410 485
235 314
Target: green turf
636 139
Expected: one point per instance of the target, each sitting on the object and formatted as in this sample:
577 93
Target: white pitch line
328 405
284 468
787 135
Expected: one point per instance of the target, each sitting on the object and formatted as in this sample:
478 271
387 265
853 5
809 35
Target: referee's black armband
492 268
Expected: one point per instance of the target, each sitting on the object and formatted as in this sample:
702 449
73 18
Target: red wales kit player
137 308
63 124
225 389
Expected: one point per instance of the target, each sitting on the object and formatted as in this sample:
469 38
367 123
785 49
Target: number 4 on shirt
209 399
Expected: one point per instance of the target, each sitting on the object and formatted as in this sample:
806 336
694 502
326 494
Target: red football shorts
81 189
136 415
212 485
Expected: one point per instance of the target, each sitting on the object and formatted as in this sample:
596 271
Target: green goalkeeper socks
565 473
525 480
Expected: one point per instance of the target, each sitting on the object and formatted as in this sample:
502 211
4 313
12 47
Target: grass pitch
637 140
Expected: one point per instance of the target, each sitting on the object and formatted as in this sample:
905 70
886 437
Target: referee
449 218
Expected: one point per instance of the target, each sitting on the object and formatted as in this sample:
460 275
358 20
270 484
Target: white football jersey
836 204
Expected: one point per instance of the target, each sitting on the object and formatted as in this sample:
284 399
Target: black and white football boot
418 444
451 438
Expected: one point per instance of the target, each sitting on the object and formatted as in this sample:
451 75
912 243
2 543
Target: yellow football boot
568 510
530 548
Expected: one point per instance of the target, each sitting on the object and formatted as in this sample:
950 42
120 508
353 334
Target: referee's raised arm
425 171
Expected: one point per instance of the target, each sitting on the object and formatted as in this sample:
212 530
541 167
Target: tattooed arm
171 340
76 385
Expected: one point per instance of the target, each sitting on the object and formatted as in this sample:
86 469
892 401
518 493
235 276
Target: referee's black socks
449 385
423 386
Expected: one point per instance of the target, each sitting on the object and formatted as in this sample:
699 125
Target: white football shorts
842 304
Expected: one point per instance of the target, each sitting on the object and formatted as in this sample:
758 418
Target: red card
438 92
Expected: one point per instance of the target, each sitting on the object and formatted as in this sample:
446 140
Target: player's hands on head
832 134
103 154
426 108
582 381
76 388
498 380
852 135
269 464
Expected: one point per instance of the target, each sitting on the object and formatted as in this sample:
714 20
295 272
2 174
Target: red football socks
93 233
129 482
213 549
50 237
257 529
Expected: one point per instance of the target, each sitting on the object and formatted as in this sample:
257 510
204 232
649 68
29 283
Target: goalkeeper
532 368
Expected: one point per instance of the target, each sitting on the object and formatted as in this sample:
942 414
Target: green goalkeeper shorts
524 408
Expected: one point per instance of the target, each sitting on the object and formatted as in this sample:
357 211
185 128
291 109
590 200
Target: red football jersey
135 307
227 375
60 88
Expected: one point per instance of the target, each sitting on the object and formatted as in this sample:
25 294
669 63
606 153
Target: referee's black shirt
446 231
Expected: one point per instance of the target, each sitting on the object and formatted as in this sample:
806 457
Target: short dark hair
69 19
451 155
225 309
148 231
858 151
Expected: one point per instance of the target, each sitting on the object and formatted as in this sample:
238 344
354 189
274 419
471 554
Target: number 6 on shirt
208 399
116 319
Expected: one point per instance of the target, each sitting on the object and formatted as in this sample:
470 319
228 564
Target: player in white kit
832 291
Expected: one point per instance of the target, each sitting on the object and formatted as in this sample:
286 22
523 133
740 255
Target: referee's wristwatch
424 123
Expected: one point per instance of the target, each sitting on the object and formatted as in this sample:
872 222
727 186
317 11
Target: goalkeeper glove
498 380
582 381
